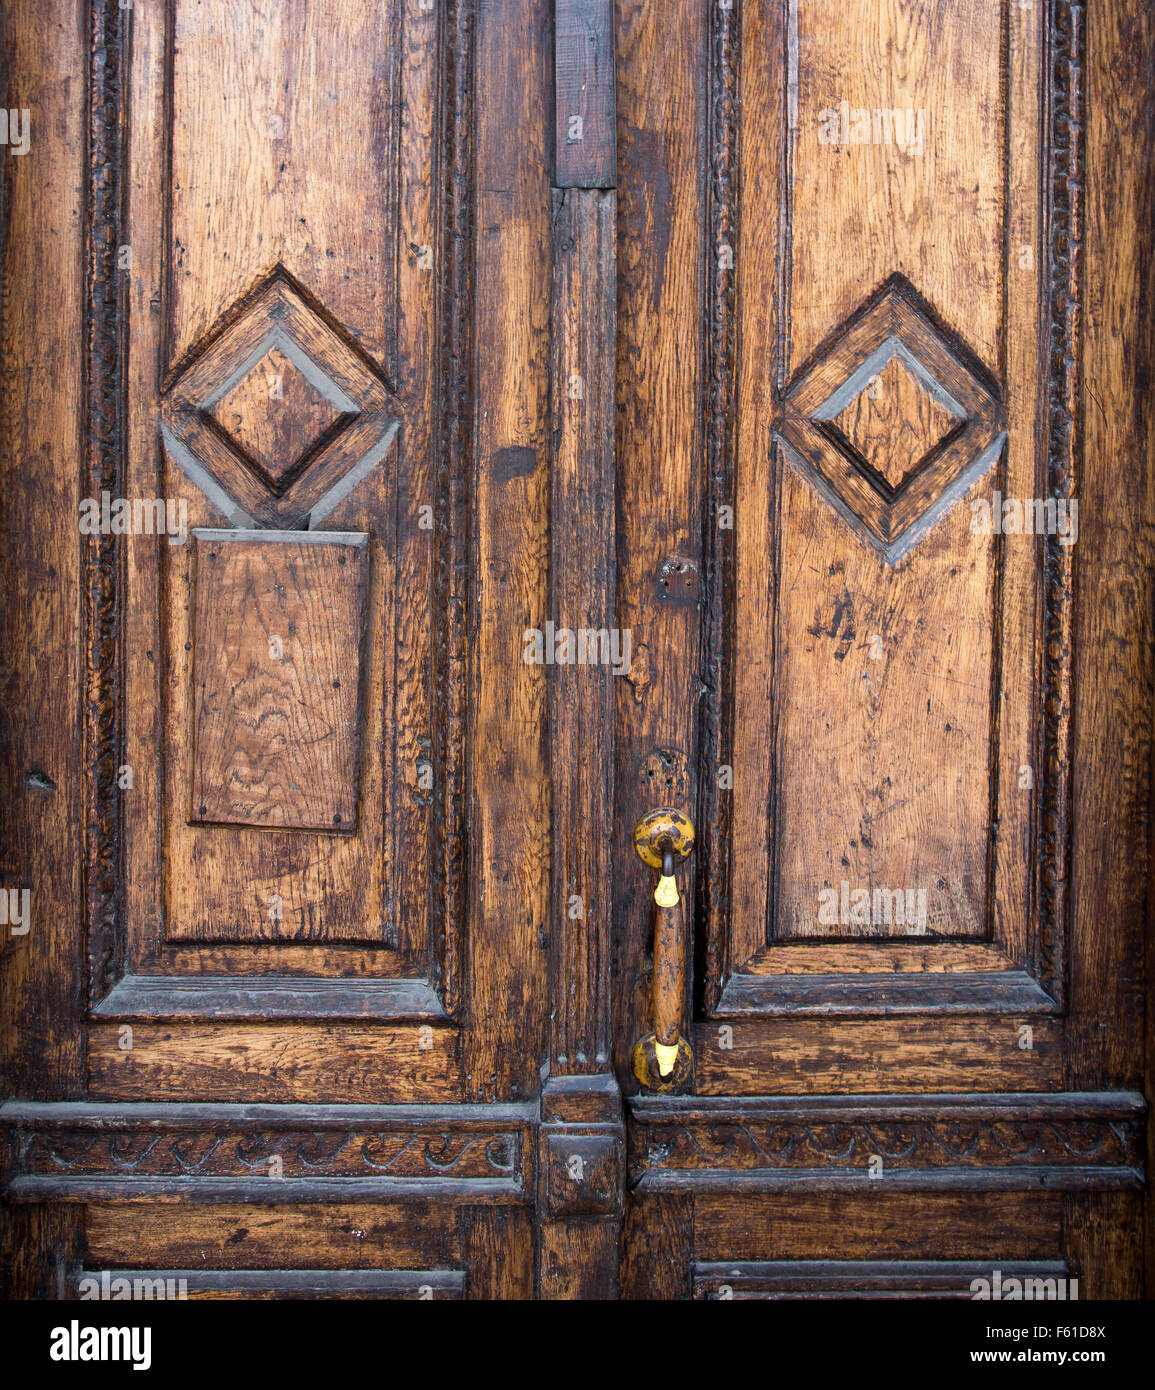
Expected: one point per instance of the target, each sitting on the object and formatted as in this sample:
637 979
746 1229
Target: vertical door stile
582 1146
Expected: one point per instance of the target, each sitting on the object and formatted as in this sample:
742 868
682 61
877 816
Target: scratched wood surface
42 413
304 178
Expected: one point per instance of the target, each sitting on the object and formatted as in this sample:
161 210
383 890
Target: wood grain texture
277 439
507 735
894 422
1103 1238
380 189
584 134
1071 1142
44 416
280 627
867 1279
941 1225
1114 678
581 1178
657 1247
187 873
1112 652
305 178
578 1262
295 1284
661 150
497 1248
863 203
334 1236
275 1154
582 599
793 1057
328 1063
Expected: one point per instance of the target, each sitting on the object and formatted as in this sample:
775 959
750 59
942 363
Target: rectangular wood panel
894 735
284 146
290 323
276 674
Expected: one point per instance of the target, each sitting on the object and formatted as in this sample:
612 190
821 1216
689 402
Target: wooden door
882 276
440 434
280 268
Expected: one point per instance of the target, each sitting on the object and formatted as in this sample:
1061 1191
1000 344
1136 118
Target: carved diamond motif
897 419
893 424
279 410
280 416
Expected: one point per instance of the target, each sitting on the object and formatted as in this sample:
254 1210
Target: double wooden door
440 434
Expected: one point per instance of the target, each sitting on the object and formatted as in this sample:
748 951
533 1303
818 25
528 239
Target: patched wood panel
280 625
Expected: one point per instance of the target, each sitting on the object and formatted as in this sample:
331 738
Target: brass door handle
662 1059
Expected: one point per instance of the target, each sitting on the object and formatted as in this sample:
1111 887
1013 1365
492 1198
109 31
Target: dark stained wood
508 805
582 601
44 789
661 110
874 1279
611 317
836 1054
1070 1142
578 1261
276 1062
335 1235
585 135
308 1284
1112 642
581 1176
371 323
1103 1238
497 1249
896 1226
657 1247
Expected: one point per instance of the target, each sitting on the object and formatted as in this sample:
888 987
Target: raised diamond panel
896 420
893 422
279 410
280 415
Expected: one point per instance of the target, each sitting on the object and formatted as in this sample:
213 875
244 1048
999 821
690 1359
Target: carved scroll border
79 1151
1073 1141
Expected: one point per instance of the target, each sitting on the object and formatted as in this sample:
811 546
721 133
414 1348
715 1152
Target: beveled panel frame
413 973
1020 966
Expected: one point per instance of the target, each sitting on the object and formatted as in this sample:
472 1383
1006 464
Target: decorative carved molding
1070 1141
102 471
266 1153
1064 234
712 861
450 858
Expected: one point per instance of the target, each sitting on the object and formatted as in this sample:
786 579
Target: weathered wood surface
358 309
